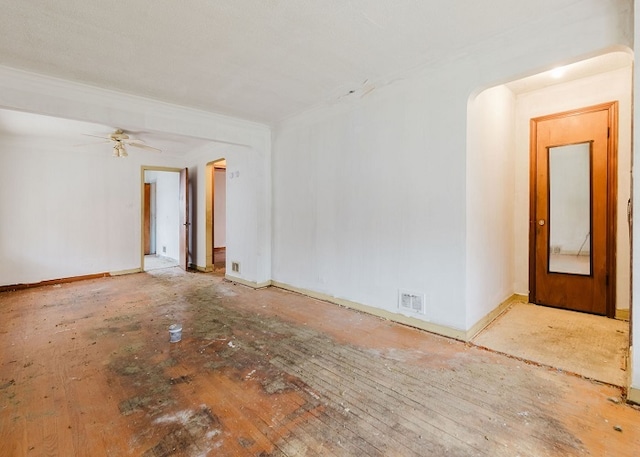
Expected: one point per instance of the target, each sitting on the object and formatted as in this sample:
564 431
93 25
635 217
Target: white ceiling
261 60
75 132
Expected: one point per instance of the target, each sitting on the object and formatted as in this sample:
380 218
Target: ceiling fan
120 140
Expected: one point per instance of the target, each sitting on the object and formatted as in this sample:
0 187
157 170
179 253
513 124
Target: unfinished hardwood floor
88 370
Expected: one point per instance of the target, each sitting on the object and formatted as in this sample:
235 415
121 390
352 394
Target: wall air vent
235 266
412 302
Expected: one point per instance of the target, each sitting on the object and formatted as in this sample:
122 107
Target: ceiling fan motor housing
119 135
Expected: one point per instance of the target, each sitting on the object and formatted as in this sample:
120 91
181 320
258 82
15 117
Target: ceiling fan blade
138 144
91 144
98 136
120 139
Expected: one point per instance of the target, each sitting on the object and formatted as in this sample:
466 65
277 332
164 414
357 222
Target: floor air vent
412 302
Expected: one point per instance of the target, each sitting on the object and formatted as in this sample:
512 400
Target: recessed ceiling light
558 72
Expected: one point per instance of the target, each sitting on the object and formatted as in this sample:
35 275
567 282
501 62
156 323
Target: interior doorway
149 218
164 218
573 209
216 224
500 180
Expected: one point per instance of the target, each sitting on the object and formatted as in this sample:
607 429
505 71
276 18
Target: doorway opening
164 218
216 224
499 221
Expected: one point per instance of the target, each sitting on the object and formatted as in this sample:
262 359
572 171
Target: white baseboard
400 318
244 282
492 315
125 272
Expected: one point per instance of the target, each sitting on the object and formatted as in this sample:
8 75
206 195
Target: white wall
219 208
370 193
248 204
108 234
605 87
167 212
67 211
490 200
370 199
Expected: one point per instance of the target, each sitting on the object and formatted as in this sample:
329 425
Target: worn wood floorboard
87 370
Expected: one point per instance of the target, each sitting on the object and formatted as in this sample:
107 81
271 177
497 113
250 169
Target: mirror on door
570 209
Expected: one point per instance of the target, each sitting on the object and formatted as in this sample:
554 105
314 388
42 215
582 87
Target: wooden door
573 201
184 219
147 219
213 215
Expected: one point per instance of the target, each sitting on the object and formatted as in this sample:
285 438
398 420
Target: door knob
541 222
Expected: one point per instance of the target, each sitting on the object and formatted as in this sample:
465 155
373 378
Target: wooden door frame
146 219
144 168
184 219
612 196
210 209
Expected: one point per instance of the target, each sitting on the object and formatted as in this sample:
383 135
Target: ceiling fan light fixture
119 150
